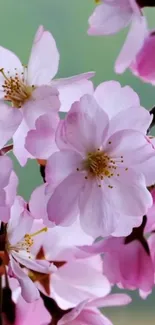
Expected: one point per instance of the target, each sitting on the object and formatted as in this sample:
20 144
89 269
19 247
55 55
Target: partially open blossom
97 171
128 261
111 16
143 65
16 241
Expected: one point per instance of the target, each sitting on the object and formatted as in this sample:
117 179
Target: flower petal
77 281
115 299
44 59
133 44
97 217
72 89
28 289
20 222
113 98
44 101
40 266
109 19
128 194
40 142
19 150
6 167
60 165
85 126
62 207
10 118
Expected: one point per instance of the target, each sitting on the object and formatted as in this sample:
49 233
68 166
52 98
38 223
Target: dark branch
152 111
54 310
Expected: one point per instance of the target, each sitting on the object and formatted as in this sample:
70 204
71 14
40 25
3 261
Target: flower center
16 90
100 165
97 164
26 243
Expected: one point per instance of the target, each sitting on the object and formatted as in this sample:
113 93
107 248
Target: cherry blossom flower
96 172
113 15
32 92
16 242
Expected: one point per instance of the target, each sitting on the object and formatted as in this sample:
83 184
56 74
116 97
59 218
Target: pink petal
40 142
115 99
44 59
19 150
10 118
147 168
93 203
44 101
60 165
31 312
143 65
62 207
71 80
11 189
40 266
77 281
67 239
115 299
133 44
72 89
85 126
131 120
109 19
126 224
139 273
28 289
20 222
93 317
129 194
6 167
38 202
140 151
72 315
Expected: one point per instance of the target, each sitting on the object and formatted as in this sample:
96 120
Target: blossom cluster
91 224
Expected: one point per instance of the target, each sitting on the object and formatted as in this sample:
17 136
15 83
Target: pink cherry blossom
143 64
96 172
17 246
30 89
75 279
129 264
112 16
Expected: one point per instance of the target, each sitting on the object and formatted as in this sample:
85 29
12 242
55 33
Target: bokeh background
67 20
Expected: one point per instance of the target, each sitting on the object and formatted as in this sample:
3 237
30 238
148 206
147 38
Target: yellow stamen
39 232
15 89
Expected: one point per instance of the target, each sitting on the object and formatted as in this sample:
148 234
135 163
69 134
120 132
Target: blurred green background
67 20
